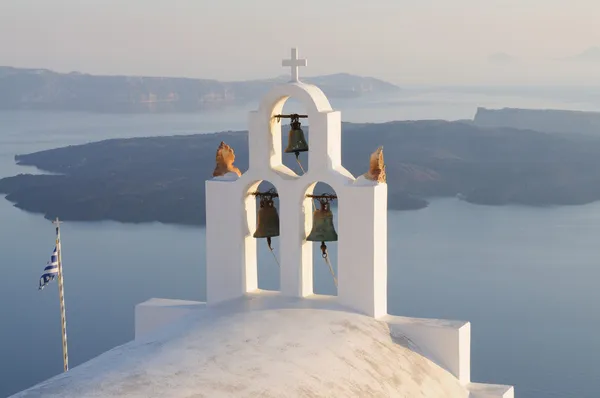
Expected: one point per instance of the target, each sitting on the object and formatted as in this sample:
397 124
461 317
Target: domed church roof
260 346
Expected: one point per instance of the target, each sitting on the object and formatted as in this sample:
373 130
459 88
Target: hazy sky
404 41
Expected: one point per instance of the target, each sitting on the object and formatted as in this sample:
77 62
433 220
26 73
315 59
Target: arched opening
294 135
324 236
266 231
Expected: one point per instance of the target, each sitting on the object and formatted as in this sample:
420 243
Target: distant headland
162 178
548 120
42 89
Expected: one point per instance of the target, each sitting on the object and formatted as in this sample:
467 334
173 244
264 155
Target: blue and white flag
51 270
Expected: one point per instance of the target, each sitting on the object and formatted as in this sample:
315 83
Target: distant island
42 89
162 178
591 54
547 120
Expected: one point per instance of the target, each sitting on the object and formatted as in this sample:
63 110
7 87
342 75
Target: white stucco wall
362 211
363 255
479 390
447 343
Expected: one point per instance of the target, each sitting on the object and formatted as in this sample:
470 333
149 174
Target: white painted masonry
362 212
444 342
260 345
362 226
447 343
478 390
248 342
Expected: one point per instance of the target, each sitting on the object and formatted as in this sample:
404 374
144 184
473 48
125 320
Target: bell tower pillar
362 253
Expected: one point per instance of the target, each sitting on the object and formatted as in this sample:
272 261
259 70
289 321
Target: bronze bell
296 141
323 229
267 224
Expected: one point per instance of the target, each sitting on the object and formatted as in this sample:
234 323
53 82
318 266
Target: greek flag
51 270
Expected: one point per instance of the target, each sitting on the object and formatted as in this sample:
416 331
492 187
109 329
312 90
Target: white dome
260 347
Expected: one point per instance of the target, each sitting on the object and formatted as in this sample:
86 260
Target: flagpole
61 295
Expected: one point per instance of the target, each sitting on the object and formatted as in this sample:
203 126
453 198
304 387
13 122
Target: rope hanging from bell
323 229
267 222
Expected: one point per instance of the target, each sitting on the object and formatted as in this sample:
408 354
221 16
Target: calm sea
526 278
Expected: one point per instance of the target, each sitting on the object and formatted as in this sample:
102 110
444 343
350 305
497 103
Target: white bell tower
231 259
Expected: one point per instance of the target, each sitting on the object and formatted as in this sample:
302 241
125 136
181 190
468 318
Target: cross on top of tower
294 63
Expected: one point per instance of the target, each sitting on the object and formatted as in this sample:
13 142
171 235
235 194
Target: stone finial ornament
376 167
225 157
